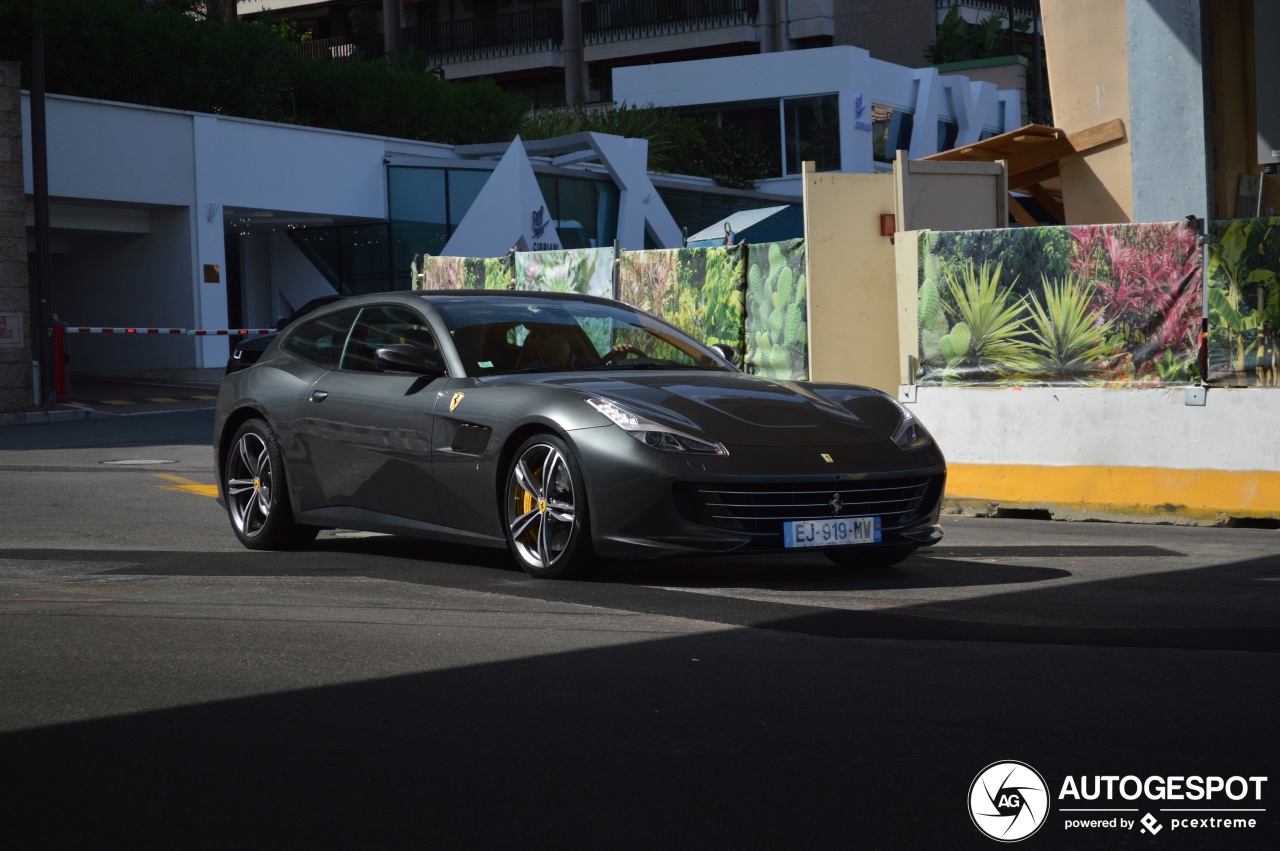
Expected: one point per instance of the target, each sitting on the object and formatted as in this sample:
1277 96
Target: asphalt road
161 687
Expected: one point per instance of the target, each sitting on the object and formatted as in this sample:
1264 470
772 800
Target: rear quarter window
321 340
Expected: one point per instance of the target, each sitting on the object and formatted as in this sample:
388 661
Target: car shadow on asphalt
1225 606
772 571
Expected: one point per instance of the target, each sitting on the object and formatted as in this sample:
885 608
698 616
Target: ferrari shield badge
455 401
828 458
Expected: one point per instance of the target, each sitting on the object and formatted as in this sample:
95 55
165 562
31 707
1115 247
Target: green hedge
159 55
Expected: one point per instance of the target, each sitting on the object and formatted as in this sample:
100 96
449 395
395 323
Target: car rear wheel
545 510
257 499
869 558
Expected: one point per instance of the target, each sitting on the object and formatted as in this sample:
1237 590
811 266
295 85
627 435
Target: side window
384 325
320 341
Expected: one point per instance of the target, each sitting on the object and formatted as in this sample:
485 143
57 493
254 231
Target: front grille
763 507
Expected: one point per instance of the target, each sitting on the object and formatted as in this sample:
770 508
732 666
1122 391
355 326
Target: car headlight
910 433
652 434
236 353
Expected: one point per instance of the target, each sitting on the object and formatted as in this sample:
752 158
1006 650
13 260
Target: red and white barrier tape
223 332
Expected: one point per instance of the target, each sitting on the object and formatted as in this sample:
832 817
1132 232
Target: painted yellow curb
186 485
1148 491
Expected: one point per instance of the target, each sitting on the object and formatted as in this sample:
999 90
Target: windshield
512 334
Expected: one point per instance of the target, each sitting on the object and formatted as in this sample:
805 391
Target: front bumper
644 503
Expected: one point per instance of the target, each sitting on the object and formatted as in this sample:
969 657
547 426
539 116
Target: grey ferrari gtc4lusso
566 428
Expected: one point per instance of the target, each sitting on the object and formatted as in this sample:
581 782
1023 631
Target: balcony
492 37
623 20
343 47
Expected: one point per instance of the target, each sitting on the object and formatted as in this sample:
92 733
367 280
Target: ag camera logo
1008 801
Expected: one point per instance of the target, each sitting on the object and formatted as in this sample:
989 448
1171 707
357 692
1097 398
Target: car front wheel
545 510
257 499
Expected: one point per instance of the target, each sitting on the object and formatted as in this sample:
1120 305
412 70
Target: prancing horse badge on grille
836 504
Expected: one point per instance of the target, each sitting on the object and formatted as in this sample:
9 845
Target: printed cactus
777 311
956 344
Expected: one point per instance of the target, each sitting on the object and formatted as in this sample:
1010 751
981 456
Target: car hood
743 410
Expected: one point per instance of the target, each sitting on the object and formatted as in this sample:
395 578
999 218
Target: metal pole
1013 34
42 295
575 73
1037 44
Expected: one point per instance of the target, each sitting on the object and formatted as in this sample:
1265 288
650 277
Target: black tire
544 510
869 559
257 497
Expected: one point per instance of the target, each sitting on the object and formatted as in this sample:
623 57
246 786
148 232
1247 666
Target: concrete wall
1087 52
138 202
15 294
846 263
1093 452
134 281
1167 122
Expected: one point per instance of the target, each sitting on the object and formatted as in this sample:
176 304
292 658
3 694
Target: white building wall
111 166
848 72
109 152
139 281
302 170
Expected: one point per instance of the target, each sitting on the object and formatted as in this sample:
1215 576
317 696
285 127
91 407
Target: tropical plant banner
777 317
588 271
698 290
461 273
1115 305
1243 262
751 297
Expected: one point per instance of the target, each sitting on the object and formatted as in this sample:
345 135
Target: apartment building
565 51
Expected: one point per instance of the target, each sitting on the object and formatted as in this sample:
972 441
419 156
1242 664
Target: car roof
446 296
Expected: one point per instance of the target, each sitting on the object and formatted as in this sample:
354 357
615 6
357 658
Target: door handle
319 395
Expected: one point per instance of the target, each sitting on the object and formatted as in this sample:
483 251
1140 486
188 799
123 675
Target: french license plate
835 532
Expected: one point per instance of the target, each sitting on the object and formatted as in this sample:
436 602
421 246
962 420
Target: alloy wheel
541 506
249 484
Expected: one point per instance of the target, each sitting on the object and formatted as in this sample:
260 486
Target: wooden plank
1022 179
1020 213
1002 144
1098 134
1051 204
1076 143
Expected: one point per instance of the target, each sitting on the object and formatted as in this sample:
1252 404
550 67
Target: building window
891 129
948 131
758 122
584 211
418 209
811 130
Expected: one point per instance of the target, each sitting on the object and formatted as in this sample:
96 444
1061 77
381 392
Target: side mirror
727 352
405 357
